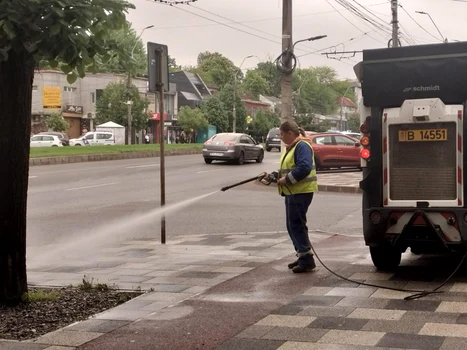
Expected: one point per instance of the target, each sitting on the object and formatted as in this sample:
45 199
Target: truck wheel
268 149
385 257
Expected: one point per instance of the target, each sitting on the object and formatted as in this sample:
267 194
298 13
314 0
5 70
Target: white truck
412 150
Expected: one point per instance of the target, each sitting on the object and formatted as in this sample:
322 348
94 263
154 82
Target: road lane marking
32 176
141 166
93 186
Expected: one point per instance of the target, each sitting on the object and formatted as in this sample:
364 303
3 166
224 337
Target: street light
129 103
313 38
426 13
234 108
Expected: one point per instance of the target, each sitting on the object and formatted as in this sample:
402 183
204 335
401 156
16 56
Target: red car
335 150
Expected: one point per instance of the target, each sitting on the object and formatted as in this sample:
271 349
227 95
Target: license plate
276 139
423 135
216 154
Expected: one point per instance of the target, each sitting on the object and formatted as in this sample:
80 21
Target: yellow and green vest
287 164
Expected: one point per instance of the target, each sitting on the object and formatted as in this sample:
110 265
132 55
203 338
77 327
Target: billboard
52 98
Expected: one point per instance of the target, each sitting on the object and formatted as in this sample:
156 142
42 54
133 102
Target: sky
240 28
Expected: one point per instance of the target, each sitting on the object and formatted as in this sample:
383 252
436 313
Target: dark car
335 150
273 140
232 147
62 136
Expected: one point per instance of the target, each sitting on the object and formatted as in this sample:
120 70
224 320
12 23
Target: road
117 200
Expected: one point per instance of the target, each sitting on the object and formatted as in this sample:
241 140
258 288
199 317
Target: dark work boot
292 264
300 268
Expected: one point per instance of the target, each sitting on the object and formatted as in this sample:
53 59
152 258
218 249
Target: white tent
116 129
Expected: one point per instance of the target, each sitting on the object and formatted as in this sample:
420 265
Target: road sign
158 53
52 98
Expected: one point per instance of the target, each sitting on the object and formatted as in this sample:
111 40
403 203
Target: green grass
41 295
83 150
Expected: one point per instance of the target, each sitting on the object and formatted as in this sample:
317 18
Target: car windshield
225 137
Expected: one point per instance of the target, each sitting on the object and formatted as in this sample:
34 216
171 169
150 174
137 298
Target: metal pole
395 24
286 81
234 108
161 141
128 85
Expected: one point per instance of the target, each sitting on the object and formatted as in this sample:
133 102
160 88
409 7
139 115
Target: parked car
335 150
232 147
273 139
355 135
62 136
45 141
94 138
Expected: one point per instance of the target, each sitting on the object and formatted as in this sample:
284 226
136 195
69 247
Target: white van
94 138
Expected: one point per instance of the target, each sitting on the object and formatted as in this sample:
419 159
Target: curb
108 156
339 189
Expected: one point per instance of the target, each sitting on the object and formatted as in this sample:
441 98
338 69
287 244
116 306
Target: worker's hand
282 181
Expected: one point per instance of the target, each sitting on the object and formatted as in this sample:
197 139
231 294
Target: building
191 89
171 131
76 102
274 102
253 106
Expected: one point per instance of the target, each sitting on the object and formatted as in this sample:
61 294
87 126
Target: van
94 138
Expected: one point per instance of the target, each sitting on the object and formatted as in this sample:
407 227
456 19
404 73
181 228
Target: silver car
232 147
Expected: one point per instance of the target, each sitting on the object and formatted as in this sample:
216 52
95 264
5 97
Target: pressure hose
267 179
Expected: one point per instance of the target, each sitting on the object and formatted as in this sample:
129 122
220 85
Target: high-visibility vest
287 164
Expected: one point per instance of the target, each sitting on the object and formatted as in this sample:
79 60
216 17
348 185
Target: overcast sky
253 27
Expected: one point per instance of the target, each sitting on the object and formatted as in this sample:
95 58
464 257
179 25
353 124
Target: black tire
268 149
241 158
385 257
260 158
54 146
207 160
77 145
317 164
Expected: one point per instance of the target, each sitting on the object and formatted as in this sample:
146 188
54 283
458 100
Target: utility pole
395 24
287 46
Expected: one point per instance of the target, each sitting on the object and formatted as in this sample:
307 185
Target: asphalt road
112 200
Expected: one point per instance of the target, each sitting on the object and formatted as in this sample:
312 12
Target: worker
297 182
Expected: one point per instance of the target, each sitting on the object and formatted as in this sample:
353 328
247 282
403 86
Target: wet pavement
235 292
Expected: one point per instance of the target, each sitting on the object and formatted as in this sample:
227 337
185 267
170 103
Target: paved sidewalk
235 292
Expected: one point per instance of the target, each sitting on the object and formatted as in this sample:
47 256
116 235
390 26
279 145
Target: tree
226 96
272 76
221 70
111 106
173 67
216 114
354 122
263 121
192 119
56 122
66 31
129 55
255 84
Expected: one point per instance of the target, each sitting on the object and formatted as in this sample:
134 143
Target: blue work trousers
296 208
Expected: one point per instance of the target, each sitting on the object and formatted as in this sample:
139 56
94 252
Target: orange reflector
365 128
365 153
365 141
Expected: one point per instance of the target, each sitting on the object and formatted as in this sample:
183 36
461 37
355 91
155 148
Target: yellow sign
51 98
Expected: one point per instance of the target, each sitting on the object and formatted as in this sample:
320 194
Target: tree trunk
16 77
